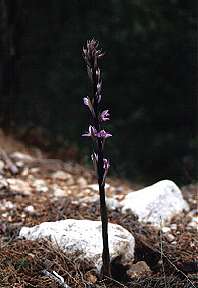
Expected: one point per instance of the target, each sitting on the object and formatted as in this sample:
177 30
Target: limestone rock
83 238
157 203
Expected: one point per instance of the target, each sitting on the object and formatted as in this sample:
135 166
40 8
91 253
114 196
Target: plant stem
105 271
103 211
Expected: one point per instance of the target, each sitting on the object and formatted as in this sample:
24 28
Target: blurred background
149 74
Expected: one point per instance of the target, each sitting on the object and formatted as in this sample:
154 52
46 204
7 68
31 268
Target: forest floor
31 192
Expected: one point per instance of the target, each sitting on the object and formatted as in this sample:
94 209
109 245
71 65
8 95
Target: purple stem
92 62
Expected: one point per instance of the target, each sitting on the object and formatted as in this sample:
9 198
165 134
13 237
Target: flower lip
86 101
103 134
104 116
91 133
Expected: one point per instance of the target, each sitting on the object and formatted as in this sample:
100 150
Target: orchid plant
91 55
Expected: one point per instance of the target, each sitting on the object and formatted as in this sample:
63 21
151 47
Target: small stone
74 202
138 269
90 277
112 203
119 189
4 215
193 213
19 164
2 166
25 172
30 210
2 228
82 182
193 225
40 185
19 186
3 184
95 187
173 226
34 170
23 215
166 229
18 156
63 176
170 237
119 197
7 205
58 192
89 199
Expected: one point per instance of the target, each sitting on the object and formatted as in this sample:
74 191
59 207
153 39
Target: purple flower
103 134
94 158
88 103
91 133
106 164
98 72
98 97
99 87
104 116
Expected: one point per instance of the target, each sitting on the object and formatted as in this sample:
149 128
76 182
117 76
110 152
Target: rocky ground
34 189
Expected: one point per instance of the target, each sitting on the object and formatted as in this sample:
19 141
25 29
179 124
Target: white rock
83 238
157 203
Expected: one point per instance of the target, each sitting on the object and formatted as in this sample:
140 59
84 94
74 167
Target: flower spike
92 55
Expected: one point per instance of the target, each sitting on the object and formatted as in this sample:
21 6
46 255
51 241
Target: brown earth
32 191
